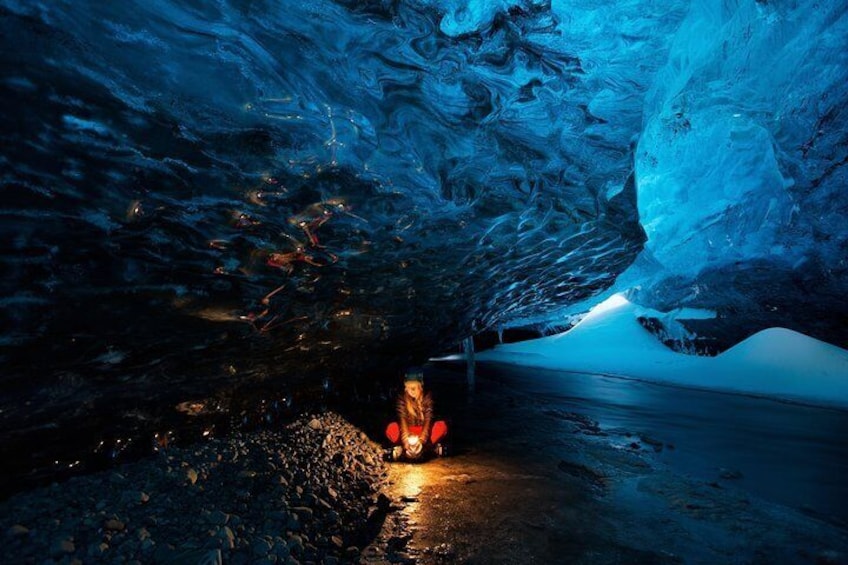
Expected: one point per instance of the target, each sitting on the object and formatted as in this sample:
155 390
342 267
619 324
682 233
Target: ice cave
605 241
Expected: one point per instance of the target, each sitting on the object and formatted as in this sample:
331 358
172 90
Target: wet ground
593 472
542 467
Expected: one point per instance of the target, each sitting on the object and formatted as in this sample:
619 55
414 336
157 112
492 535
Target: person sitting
415 431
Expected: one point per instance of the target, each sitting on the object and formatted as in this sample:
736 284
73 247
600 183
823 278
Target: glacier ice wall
741 168
202 195
198 195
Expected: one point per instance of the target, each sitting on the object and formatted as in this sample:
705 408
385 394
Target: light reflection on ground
465 505
528 481
409 479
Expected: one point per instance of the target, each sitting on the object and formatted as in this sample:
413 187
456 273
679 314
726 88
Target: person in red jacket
415 431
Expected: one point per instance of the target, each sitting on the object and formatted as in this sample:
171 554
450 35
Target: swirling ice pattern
302 185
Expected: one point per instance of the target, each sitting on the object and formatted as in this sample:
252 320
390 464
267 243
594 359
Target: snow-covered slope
776 362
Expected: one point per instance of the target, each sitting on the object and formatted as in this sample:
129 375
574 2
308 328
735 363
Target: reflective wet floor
580 470
788 453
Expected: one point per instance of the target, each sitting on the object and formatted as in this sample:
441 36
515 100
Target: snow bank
776 362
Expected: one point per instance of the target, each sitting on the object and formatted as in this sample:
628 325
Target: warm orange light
414 447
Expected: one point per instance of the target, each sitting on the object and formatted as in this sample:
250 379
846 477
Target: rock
152 520
301 478
278 515
295 544
261 547
163 554
294 523
210 557
17 530
227 535
445 551
303 512
63 546
219 518
332 517
310 553
114 525
147 545
281 550
191 556
133 497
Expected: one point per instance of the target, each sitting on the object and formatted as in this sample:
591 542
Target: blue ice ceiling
197 191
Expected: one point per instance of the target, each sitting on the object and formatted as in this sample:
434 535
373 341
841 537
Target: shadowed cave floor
530 477
528 482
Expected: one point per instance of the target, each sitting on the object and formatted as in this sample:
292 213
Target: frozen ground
535 477
530 477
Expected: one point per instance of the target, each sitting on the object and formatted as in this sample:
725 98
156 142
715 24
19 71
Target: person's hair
414 406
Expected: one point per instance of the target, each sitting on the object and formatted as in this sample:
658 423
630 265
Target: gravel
301 494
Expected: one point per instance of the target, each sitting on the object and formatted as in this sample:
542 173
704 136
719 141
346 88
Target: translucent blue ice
742 150
447 166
